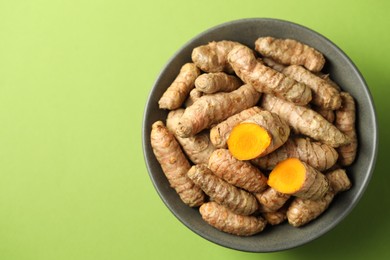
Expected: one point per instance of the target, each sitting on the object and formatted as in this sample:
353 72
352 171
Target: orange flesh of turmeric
248 141
288 176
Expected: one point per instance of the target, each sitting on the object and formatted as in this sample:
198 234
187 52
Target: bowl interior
341 70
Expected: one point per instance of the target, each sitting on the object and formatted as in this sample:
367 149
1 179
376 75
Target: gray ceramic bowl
341 69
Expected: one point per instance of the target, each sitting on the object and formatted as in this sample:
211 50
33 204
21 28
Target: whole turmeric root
210 83
276 217
264 79
305 121
299 179
302 211
238 173
220 191
214 108
289 51
223 219
219 134
198 147
192 97
271 200
258 136
324 94
174 165
212 57
318 155
345 121
178 91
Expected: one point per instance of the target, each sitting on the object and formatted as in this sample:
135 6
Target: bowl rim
375 136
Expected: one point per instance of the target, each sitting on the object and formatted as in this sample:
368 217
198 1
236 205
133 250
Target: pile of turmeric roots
256 137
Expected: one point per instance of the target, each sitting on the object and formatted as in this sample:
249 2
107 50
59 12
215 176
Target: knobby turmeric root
214 108
257 136
328 114
289 51
318 155
305 121
219 134
210 83
276 217
302 211
297 178
174 165
238 173
271 200
212 57
198 148
222 192
192 97
178 91
345 121
225 220
264 79
324 94
273 64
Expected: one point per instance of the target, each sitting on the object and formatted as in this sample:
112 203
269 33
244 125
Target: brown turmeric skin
212 57
225 220
305 121
177 92
241 174
289 51
264 79
214 108
220 191
271 200
302 211
210 83
324 94
345 121
316 154
174 165
198 148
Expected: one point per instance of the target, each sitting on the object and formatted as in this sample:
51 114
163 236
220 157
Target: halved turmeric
257 136
297 178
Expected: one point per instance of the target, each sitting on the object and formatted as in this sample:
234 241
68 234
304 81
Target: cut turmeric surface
174 165
289 51
219 134
241 174
225 220
296 178
236 200
257 136
177 92
214 108
264 79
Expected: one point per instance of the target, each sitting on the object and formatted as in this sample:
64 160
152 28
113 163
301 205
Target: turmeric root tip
294 177
248 140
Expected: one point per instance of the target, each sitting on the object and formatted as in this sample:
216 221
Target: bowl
341 69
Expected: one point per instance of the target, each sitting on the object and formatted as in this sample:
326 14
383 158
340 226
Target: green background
74 79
